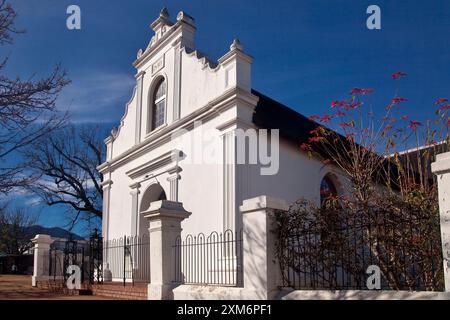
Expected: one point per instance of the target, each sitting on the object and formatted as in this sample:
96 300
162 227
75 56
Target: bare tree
27 109
66 163
15 237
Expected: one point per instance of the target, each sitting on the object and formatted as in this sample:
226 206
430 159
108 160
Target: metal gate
86 254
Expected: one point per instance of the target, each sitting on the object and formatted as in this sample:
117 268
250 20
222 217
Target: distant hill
54 232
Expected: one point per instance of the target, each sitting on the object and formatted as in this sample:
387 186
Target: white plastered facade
142 162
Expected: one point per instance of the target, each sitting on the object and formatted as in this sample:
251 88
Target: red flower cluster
306 147
316 135
413 124
313 118
315 139
340 113
336 103
325 118
345 124
398 75
444 107
345 104
395 101
441 101
361 91
315 132
350 136
398 100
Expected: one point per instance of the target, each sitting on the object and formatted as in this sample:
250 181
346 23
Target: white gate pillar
164 218
441 168
41 265
260 266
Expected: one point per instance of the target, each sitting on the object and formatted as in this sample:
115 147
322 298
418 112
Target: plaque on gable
158 65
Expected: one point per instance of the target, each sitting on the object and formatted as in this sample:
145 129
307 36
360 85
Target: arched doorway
153 193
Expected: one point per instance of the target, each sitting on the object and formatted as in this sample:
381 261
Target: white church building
183 103
193 177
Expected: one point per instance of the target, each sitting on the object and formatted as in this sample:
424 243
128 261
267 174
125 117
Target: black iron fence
64 253
336 253
215 259
127 259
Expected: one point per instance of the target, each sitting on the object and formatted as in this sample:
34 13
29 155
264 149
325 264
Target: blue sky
306 52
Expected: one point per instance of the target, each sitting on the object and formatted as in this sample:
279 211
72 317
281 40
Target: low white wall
361 295
198 292
209 292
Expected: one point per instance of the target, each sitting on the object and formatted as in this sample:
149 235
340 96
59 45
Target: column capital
442 164
165 209
174 173
135 185
174 170
106 183
140 74
42 240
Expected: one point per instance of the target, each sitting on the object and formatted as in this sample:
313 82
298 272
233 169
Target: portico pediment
151 166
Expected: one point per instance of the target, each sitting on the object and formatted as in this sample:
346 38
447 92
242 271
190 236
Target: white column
165 226
260 266
177 81
442 169
229 180
135 218
139 93
173 178
41 266
106 186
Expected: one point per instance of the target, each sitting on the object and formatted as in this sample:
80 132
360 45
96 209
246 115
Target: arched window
158 107
327 189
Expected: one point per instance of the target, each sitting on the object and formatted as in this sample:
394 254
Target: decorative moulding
227 100
161 161
164 31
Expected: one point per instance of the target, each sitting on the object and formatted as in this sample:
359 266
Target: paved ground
14 287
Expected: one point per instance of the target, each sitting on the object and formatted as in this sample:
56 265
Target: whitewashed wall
197 90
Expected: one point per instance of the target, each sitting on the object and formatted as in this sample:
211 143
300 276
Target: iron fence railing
64 253
215 259
336 254
128 259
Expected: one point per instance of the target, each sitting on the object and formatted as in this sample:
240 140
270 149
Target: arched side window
327 189
158 105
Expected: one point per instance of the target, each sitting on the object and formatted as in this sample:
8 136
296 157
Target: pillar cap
166 209
263 203
42 239
442 163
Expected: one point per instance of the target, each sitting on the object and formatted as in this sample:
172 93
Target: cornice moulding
207 112
161 161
